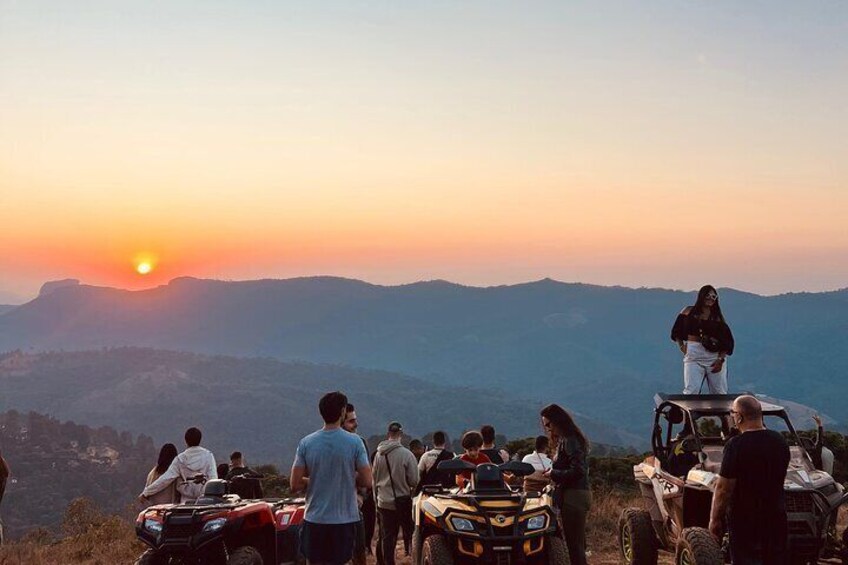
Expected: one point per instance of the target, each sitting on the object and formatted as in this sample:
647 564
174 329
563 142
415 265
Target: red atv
222 529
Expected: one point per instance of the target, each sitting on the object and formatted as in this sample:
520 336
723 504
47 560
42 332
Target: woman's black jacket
570 469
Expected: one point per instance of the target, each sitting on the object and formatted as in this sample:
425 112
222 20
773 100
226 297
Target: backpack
435 477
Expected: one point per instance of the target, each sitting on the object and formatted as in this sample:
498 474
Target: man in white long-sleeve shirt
195 460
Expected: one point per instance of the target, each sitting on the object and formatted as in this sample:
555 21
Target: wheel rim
686 557
626 543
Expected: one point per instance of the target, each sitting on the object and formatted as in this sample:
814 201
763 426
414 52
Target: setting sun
143 268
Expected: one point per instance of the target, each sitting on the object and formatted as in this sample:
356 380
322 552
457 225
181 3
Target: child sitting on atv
472 442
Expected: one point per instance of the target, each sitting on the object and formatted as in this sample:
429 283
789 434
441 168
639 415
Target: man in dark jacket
749 498
244 481
365 498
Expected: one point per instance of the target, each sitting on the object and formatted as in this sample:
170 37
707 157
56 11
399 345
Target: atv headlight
537 522
153 526
462 524
214 525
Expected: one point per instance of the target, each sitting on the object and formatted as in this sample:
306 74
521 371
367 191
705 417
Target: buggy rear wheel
436 551
245 555
697 546
636 537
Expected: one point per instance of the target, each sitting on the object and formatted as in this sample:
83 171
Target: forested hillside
259 406
54 462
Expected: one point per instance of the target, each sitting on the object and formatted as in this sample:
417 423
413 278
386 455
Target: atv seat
488 479
216 491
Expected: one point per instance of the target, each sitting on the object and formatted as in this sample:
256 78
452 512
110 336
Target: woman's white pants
697 374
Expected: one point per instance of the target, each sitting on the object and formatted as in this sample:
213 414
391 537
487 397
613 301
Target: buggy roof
715 403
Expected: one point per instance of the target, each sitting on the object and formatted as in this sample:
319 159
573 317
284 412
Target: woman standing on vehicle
570 474
704 338
169 494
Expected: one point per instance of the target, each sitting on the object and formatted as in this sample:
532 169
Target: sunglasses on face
712 296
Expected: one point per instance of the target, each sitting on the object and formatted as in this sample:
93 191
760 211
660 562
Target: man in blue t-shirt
330 464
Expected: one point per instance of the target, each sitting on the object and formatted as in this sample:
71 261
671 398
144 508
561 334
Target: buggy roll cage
687 408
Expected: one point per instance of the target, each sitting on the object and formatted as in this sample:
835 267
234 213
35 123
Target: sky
666 144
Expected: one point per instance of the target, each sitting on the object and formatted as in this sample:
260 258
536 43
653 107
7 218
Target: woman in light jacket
169 494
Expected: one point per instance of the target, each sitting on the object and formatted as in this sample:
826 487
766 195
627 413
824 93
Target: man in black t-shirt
749 499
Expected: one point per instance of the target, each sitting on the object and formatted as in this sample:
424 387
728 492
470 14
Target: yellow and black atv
487 521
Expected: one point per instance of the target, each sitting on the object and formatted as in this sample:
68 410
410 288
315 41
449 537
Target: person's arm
422 465
411 471
724 488
678 330
504 455
211 467
298 477
164 480
727 342
255 474
819 432
721 500
364 475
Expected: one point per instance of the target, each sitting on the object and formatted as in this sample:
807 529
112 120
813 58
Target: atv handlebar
456 466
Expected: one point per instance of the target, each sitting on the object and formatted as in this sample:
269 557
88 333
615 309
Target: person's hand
717 365
717 529
547 473
817 419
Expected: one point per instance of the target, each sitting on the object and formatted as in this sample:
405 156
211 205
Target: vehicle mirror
454 466
517 468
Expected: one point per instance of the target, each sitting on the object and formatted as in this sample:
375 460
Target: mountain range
602 351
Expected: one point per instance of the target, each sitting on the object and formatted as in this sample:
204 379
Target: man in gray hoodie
395 477
194 461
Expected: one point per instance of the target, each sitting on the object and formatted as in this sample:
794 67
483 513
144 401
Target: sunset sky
635 143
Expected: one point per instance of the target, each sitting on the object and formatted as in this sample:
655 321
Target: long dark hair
563 425
715 310
166 456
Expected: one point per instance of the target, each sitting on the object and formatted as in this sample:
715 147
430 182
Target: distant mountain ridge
599 350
